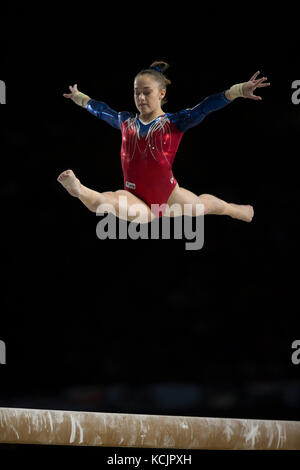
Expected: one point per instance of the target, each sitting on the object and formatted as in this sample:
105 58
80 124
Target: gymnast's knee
205 199
105 203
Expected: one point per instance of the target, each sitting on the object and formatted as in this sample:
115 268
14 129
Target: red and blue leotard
148 150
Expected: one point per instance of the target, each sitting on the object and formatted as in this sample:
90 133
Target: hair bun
161 66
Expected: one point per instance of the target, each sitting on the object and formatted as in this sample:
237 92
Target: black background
146 326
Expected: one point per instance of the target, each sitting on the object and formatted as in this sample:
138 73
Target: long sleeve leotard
148 149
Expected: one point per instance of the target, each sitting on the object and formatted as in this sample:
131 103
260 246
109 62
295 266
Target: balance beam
78 428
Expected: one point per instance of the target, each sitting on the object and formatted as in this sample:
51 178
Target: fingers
255 97
72 89
254 76
261 85
259 81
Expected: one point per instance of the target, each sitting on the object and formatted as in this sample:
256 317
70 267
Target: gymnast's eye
145 92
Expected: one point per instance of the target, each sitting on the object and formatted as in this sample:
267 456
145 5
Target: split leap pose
150 140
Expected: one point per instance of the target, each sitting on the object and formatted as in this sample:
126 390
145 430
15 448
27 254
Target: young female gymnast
150 140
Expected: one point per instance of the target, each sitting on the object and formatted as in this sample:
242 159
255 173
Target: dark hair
158 74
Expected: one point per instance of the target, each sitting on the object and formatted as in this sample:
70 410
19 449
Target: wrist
80 98
236 91
85 101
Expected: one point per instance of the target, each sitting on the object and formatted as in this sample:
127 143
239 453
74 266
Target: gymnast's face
147 94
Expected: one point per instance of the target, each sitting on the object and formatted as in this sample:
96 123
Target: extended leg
212 204
90 198
124 204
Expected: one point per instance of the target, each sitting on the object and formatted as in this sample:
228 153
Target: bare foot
70 182
242 212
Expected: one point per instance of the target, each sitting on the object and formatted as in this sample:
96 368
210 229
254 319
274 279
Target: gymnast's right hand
79 98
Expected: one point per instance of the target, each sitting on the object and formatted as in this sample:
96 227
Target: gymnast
150 140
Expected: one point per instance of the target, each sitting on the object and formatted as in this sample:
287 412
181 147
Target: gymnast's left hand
252 84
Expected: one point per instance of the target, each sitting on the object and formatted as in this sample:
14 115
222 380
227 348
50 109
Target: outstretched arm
188 118
97 108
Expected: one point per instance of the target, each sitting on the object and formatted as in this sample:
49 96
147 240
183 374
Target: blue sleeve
190 117
103 111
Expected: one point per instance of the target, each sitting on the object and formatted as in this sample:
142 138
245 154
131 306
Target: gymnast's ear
163 92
